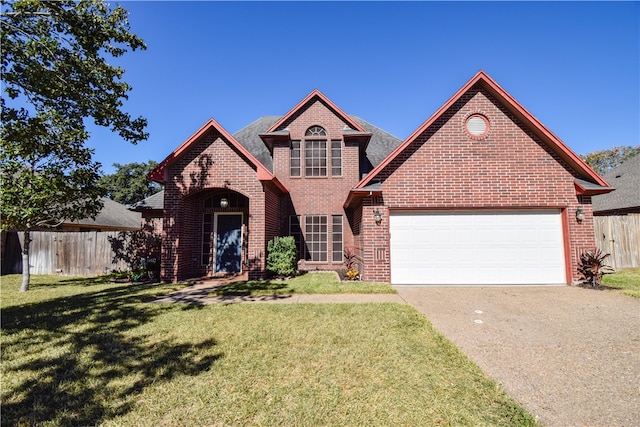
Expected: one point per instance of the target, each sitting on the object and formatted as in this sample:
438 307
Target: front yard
85 352
626 282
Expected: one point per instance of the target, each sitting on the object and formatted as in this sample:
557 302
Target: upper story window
294 159
315 152
316 131
336 157
319 153
315 158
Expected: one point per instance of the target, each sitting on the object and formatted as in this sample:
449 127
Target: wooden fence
72 253
619 235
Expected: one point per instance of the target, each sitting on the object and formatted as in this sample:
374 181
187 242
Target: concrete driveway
571 356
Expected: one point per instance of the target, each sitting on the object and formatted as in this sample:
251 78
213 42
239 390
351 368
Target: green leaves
55 74
54 59
130 184
603 161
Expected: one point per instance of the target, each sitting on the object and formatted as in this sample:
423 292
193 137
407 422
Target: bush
592 267
282 256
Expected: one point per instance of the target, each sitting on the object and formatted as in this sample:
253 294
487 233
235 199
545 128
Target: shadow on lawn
252 287
76 364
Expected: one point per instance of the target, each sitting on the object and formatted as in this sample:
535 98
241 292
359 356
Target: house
74 248
480 193
626 199
617 216
112 217
152 210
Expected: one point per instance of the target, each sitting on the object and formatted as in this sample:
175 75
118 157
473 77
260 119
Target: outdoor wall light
579 214
377 216
224 202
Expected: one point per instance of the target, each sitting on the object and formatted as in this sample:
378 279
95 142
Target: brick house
480 193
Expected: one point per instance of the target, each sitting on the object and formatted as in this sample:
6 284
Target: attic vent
477 126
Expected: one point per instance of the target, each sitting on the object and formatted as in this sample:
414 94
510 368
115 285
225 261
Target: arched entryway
224 219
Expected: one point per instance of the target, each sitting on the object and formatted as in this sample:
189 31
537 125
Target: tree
54 76
129 184
603 161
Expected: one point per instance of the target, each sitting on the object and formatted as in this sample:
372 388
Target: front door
228 257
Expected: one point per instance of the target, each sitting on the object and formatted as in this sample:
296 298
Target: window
207 227
315 158
316 237
316 131
336 238
295 231
336 157
294 159
315 152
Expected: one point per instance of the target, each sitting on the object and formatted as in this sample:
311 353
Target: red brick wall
446 169
318 195
210 163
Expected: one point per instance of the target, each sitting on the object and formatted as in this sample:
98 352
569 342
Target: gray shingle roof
114 216
155 201
626 180
380 145
249 137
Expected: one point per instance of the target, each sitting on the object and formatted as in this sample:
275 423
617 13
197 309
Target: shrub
592 267
282 256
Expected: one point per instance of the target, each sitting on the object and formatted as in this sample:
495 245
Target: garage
520 247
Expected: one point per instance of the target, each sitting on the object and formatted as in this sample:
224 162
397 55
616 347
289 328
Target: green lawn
309 283
85 352
626 282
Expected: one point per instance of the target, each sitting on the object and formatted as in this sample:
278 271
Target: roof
626 180
114 216
155 201
583 170
380 144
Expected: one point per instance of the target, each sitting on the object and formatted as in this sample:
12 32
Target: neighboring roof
155 201
114 216
262 173
626 180
553 142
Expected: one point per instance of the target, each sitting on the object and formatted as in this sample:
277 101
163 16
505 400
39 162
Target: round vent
477 126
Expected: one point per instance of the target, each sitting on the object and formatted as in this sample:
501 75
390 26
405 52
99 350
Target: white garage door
477 248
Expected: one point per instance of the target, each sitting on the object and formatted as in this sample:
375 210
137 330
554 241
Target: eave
586 188
270 138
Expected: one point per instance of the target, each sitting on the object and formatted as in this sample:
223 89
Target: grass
626 281
309 283
86 352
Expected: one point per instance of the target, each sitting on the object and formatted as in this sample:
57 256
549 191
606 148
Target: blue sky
573 65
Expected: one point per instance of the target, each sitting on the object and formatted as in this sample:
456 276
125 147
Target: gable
517 114
506 164
211 127
313 98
